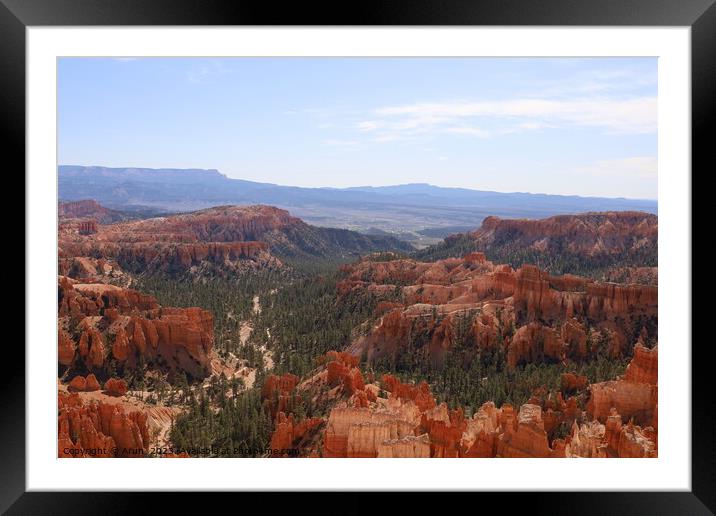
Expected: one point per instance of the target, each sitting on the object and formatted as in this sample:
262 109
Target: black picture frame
700 15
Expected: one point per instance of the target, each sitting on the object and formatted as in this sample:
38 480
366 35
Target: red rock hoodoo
129 327
533 316
396 419
225 237
98 429
115 387
634 397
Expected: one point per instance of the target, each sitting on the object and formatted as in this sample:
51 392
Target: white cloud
126 59
207 72
368 125
639 167
531 126
598 82
340 143
634 116
469 131
637 115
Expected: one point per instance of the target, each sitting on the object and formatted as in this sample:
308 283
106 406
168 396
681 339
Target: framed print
418 249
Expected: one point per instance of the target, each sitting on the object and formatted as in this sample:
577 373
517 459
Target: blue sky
563 126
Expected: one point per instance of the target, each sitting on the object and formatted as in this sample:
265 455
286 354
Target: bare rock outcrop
632 396
403 420
644 366
128 327
97 429
115 387
581 235
554 317
528 438
287 434
277 393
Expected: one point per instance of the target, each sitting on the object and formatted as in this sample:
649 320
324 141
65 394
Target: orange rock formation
228 237
115 387
586 233
555 317
128 327
99 430
409 423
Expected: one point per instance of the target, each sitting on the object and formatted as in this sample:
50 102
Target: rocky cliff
88 209
584 234
396 419
635 396
98 429
100 424
620 245
103 325
213 240
533 316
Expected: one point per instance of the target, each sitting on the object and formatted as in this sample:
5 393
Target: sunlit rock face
397 419
532 316
408 423
635 396
128 327
216 240
584 234
632 399
97 429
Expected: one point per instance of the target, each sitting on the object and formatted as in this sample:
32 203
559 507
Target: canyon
130 366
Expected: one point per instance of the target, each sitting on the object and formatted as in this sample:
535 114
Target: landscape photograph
389 257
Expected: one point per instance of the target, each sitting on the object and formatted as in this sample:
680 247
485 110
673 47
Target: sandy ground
268 358
245 333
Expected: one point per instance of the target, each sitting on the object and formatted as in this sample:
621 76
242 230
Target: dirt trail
231 366
245 333
268 358
246 327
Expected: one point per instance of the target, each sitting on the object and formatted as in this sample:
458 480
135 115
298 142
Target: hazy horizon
330 187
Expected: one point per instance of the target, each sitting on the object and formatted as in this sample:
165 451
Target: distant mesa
608 242
209 241
89 209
